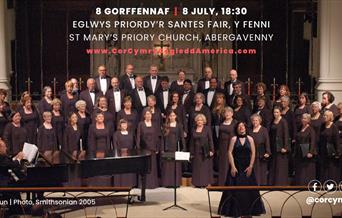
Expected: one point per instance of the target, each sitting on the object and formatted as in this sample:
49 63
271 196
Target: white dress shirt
165 98
184 96
206 84
210 97
142 97
92 96
154 84
103 84
117 100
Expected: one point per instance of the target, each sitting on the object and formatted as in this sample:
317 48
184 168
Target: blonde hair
330 115
80 103
317 104
201 116
256 116
47 113
56 101
306 116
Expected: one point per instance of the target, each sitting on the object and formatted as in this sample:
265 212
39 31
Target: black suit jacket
188 102
110 99
125 83
136 100
206 91
267 117
85 96
98 85
227 88
160 100
148 84
201 85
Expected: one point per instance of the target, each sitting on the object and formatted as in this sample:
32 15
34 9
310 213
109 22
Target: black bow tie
165 90
116 90
154 77
211 90
140 89
92 91
131 76
102 77
186 92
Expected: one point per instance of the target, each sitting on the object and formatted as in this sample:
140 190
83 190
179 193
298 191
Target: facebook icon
314 186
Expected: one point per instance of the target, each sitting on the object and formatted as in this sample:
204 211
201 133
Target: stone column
4 75
330 40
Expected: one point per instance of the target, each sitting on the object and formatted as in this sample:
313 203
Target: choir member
199 108
29 119
102 107
83 122
68 99
328 103
302 107
279 134
241 157
289 116
58 121
45 103
228 86
282 91
149 137
139 95
3 118
261 89
237 91
72 138
75 86
187 96
204 83
115 96
226 132
305 150
329 149
129 114
264 112
263 149
127 81
241 110
15 134
156 114
178 85
47 140
201 149
164 95
176 106
123 140
6 107
152 81
316 119
99 137
90 95
102 80
211 92
22 96
173 141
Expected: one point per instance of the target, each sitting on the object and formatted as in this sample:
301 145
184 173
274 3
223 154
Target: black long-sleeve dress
236 203
68 104
305 167
202 165
262 147
109 118
226 132
279 135
172 142
243 115
83 125
149 137
330 166
72 139
298 112
131 118
3 123
43 106
58 123
181 115
122 141
193 113
46 139
15 137
31 123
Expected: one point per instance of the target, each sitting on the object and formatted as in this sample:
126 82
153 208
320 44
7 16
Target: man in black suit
115 96
204 83
152 81
139 95
188 96
90 96
237 90
127 80
102 81
210 93
163 96
228 86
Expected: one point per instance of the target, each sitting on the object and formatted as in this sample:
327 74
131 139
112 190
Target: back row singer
294 144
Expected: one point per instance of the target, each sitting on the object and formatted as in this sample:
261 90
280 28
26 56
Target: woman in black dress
58 121
305 150
156 113
263 149
72 138
46 140
329 150
279 135
129 114
202 151
45 103
316 119
241 156
261 89
6 107
149 137
282 91
177 85
241 111
226 132
217 116
102 107
302 107
176 106
3 119
173 141
68 99
123 140
29 119
198 108
83 123
14 134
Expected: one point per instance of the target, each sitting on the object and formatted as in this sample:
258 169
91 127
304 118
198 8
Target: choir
294 143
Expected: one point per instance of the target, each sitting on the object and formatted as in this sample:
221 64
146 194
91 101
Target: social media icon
330 186
314 186
340 186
